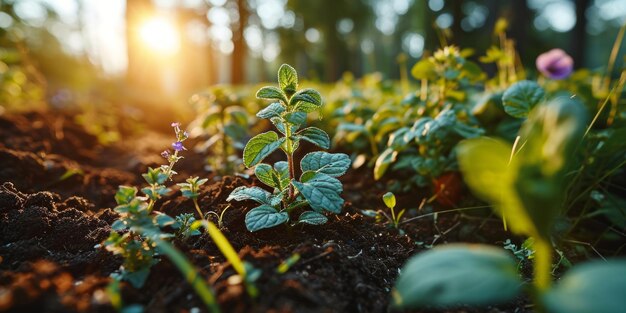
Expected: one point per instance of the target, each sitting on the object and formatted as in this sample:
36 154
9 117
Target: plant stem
543 264
195 204
289 153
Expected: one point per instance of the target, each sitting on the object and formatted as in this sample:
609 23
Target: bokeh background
168 49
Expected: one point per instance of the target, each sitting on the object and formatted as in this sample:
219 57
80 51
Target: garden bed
50 224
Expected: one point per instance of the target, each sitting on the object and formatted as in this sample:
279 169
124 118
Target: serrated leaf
332 164
596 286
273 110
287 79
521 97
316 136
271 93
259 147
312 218
306 100
457 275
266 174
322 192
250 193
382 163
264 216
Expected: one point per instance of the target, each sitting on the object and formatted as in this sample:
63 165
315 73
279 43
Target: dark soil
50 226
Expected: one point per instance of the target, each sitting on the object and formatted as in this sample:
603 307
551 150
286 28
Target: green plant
143 238
185 227
318 186
224 124
390 201
526 187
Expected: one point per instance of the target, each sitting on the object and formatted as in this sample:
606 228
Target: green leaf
259 147
316 136
266 174
485 166
390 200
521 97
282 169
322 192
332 164
424 69
163 220
264 216
382 163
596 286
125 194
457 275
271 93
312 218
296 118
250 193
273 110
287 79
137 278
306 100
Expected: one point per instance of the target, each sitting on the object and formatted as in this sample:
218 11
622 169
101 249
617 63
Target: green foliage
457 275
317 187
591 287
223 123
185 227
521 98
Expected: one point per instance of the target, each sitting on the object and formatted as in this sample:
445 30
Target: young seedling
143 238
318 186
394 220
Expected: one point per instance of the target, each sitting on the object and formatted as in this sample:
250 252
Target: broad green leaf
596 286
312 218
306 100
273 110
322 192
259 147
457 275
163 220
235 131
521 97
485 166
264 216
424 69
296 118
287 79
266 174
238 115
316 136
551 135
271 93
250 193
332 164
382 163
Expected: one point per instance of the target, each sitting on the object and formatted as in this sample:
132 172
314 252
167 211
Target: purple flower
165 154
555 64
178 146
176 124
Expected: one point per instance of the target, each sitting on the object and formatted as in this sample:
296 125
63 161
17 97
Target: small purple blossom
166 154
178 146
555 64
175 124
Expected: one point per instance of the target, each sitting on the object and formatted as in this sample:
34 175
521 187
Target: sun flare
159 34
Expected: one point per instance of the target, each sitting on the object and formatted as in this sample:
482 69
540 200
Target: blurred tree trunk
239 45
579 35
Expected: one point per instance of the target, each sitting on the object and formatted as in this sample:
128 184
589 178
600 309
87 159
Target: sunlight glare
160 35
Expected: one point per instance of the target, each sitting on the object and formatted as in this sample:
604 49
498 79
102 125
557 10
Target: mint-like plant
318 186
